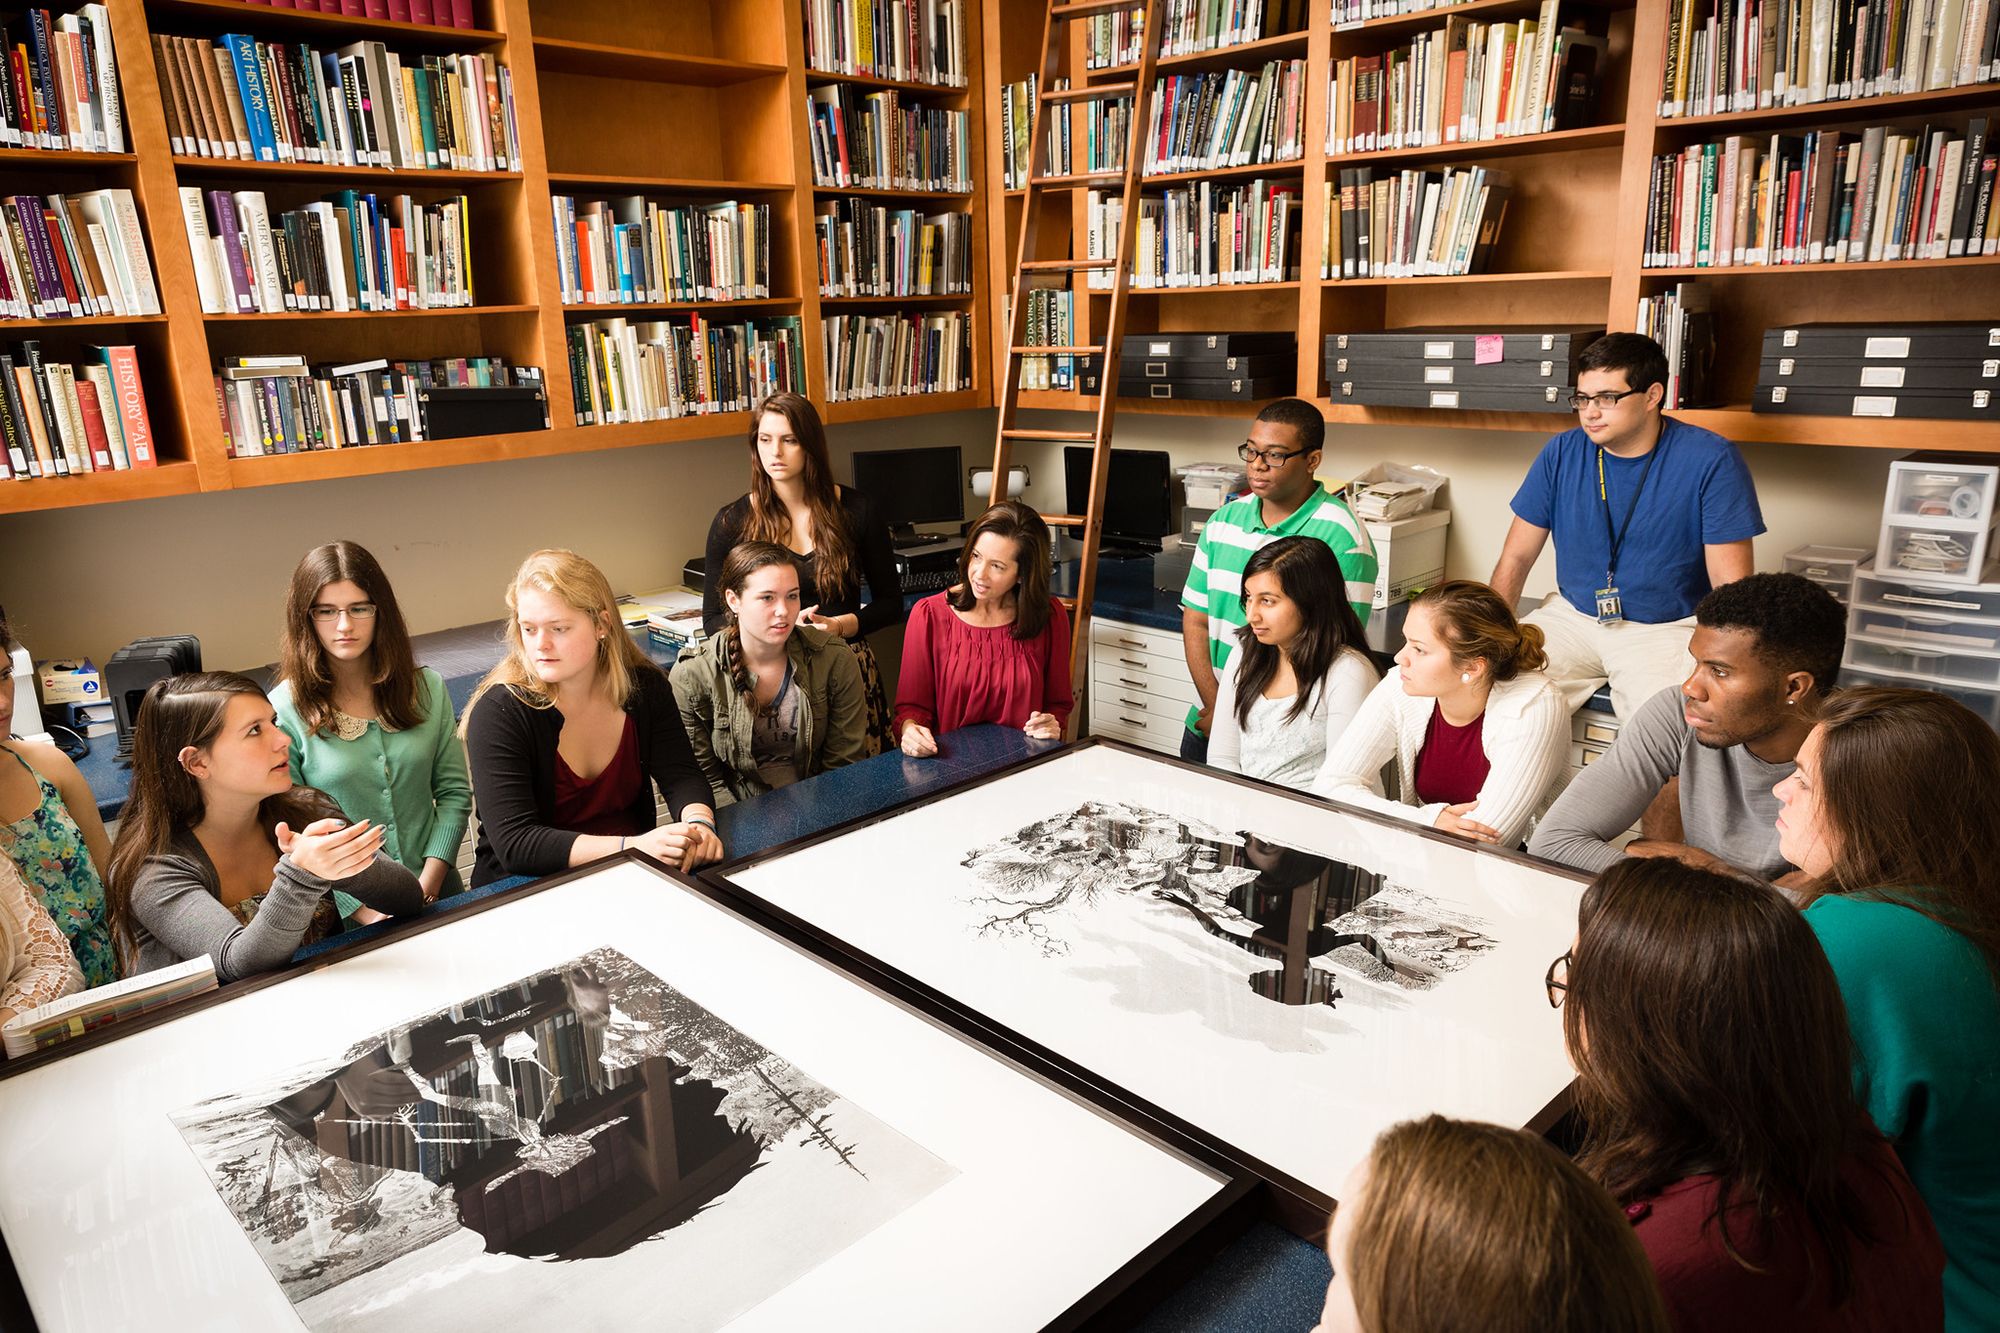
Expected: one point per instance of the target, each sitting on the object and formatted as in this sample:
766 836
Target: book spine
123 363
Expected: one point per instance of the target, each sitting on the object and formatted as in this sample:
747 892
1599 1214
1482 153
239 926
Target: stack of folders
1949 372
59 83
60 420
74 1015
1209 367
74 256
281 405
1468 369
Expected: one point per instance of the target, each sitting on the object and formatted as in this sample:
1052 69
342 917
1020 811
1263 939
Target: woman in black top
570 734
838 537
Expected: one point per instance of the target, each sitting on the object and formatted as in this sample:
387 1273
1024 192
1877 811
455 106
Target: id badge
1610 607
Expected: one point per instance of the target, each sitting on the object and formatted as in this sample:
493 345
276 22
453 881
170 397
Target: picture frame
1497 1026
236 1159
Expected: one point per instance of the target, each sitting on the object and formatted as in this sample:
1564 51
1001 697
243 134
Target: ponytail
1476 624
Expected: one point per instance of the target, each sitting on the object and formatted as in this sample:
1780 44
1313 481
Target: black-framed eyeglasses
1556 981
1607 401
326 615
1271 458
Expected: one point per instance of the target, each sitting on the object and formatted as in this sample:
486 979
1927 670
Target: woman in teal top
368 726
1894 815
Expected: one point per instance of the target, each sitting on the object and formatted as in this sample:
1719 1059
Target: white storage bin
1922 630
1409 553
1922 664
1209 485
1986 703
1892 592
1933 551
1831 567
1939 486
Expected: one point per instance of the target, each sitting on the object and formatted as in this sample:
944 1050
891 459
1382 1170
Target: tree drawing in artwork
1317 917
567 1118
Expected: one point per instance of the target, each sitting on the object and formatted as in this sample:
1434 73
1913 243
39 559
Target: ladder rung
1065 520
1051 436
1083 9
1057 351
1066 265
1091 93
1081 178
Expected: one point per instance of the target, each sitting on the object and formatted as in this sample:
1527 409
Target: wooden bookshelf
694 101
1571 251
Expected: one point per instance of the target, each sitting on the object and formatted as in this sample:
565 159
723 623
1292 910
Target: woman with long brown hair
1452 1225
992 648
370 727
1714 1078
834 531
1479 736
569 735
768 701
218 853
1894 816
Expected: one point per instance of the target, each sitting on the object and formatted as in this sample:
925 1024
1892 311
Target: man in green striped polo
1285 500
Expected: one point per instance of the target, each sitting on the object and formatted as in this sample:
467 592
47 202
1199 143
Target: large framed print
606 1100
1283 976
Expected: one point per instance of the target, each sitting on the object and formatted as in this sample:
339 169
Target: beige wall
86 581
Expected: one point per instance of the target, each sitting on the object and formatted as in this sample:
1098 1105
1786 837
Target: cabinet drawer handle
1131 721
1133 703
1126 661
1130 643
1135 684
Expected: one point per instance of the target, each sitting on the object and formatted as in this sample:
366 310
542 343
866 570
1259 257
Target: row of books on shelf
881 141
1740 55
1051 323
1189 27
1465 82
1227 118
60 87
351 251
1826 197
914 41
63 420
655 370
434 13
869 249
281 404
1682 321
631 250
73 256
1412 224
240 99
888 356
1346 13
1205 234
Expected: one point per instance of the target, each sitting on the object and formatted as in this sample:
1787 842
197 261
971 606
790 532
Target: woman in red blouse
1714 1076
995 647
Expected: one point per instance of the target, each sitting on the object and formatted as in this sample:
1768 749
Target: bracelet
621 844
697 819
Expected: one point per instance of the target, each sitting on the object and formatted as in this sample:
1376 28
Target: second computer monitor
914 486
1138 495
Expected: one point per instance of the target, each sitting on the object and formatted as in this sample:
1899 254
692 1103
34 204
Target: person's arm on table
1047 722
1606 797
451 789
916 687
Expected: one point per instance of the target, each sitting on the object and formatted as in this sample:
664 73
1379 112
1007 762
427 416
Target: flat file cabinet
1138 691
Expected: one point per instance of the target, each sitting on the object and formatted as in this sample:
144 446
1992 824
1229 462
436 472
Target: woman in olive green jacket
767 701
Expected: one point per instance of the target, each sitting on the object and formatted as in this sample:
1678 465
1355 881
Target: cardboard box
64 682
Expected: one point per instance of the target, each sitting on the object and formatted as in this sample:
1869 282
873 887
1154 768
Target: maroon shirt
1898 1276
954 674
1451 767
603 805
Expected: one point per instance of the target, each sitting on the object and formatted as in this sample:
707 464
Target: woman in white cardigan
1300 672
1480 737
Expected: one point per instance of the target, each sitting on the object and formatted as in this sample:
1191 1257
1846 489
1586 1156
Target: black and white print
588 1137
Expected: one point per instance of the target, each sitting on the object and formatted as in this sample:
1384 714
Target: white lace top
35 962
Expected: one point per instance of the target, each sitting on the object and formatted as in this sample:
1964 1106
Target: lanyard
1617 539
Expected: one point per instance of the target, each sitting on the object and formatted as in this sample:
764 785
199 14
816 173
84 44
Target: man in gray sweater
1766 650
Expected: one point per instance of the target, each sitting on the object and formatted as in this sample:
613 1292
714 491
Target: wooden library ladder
1039 186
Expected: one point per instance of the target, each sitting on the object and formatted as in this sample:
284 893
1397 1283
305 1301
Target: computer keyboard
930 580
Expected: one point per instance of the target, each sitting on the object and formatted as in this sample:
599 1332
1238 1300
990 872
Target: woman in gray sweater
218 853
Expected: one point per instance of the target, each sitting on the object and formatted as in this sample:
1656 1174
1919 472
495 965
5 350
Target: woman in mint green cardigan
1894 814
369 727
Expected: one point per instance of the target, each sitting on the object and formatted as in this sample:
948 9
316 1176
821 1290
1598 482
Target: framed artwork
606 1098
1280 975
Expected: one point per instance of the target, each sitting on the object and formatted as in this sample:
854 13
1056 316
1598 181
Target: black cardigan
867 536
512 749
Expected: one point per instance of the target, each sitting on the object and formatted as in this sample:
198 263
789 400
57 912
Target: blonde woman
571 732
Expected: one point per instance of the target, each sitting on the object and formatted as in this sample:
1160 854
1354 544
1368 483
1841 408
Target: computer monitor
1138 495
912 486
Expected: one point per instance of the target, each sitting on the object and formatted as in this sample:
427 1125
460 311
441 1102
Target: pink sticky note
1486 349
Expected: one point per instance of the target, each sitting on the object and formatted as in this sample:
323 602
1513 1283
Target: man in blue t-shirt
1648 514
